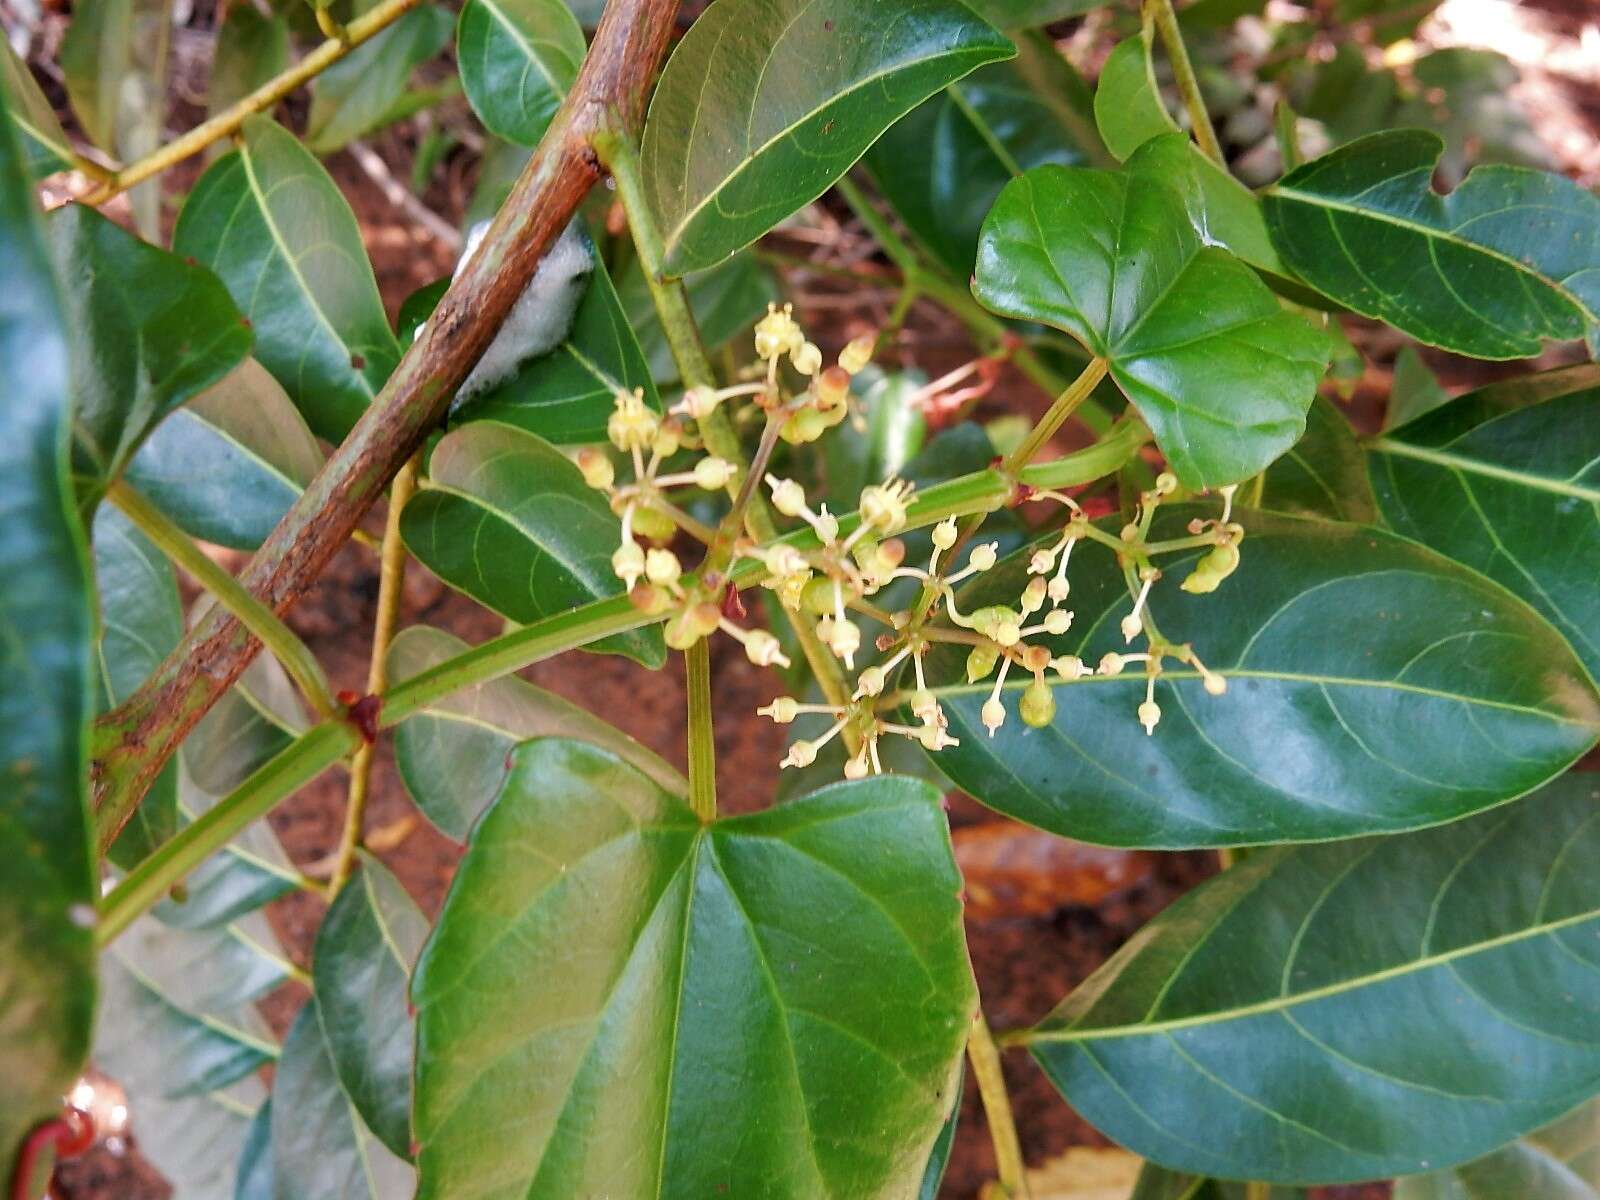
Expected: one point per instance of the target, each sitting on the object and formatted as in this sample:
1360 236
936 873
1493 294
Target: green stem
255 616
1105 457
985 1059
1166 22
1068 402
702 742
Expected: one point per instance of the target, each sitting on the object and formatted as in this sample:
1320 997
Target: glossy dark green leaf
149 331
1559 1162
517 58
253 720
1508 260
1373 686
1324 474
773 1003
453 755
726 301
803 88
252 47
1220 372
268 219
228 464
942 164
45 144
567 395
254 1178
1345 1047
114 64
1515 495
507 519
141 620
357 94
366 948
47 988
321 1149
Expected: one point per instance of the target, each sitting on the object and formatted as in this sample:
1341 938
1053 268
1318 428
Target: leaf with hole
227 465
803 87
718 1033
149 331
1347 1048
454 754
506 518
517 60
1506 262
1514 494
47 988
942 164
1372 686
1222 375
269 220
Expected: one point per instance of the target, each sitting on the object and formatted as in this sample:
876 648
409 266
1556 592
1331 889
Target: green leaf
242 877
1515 495
1413 392
1158 1183
774 1001
518 58
939 1157
268 219
1509 259
228 464
1373 686
942 164
453 756
1559 1162
1018 14
366 948
1127 100
141 621
356 94
567 395
507 519
1219 371
1325 474
254 1178
251 722
149 331
726 301
45 144
252 47
321 1149
1344 1047
803 88
47 987
114 62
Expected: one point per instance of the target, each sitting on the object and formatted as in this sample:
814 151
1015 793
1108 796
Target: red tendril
69 1135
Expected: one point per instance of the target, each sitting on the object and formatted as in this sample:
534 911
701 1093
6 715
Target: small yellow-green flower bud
870 682
788 497
803 427
667 438
1166 483
858 352
652 525
925 706
1215 684
980 662
1212 569
652 601
1131 625
1059 588
945 533
691 625
832 388
1130 531
782 710
807 358
818 597
628 562
1042 561
856 766
662 567
763 649
1149 716
826 525
1033 595
713 473
784 559
700 401
1038 704
983 557
1058 620
1112 664
1035 658
596 468
992 714
801 754
842 637
1070 667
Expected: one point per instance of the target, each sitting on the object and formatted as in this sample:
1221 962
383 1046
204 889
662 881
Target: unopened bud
1058 620
713 473
1070 667
1166 483
992 714
980 662
1131 626
803 427
700 401
662 567
857 353
870 682
668 436
1033 595
782 710
1215 685
628 562
1042 561
807 358
652 525
1035 658
1149 716
856 766
1112 664
945 532
788 497
801 754
1038 704
596 468
763 649
784 559
832 388
983 557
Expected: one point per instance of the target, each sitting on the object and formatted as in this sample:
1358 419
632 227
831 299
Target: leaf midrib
1284 1003
1472 466
516 34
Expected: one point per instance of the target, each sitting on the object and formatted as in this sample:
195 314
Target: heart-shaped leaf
1324 474
518 58
1514 494
944 162
803 87
44 143
1559 1162
507 519
1221 374
321 1148
366 948
47 989
1373 686
453 756
1346 1047
356 94
780 996
228 464
149 332
1507 260
271 223
141 620
726 301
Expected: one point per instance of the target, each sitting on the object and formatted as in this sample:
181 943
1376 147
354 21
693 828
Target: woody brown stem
135 740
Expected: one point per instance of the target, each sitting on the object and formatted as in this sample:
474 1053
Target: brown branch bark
134 741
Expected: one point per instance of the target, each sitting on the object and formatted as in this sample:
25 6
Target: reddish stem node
69 1135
